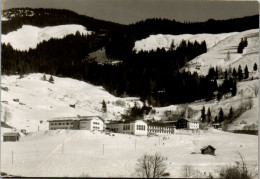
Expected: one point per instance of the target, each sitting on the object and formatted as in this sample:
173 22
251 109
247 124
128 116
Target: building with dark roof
11 136
208 150
160 128
185 123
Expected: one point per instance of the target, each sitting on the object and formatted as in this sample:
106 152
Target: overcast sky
130 11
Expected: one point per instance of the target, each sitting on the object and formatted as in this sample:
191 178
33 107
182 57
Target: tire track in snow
53 151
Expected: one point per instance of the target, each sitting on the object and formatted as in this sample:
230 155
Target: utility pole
62 147
12 157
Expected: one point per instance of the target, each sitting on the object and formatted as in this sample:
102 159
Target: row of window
126 127
97 123
53 128
161 132
94 127
140 127
61 123
164 128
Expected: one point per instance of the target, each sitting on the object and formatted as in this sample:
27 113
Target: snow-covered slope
70 153
164 41
29 36
217 55
247 94
218 47
40 101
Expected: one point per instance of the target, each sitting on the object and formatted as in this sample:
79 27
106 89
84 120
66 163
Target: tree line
153 76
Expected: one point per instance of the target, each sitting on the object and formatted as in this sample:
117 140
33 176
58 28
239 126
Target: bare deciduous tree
151 166
187 171
238 171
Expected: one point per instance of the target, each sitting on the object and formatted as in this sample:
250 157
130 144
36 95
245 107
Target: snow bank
29 36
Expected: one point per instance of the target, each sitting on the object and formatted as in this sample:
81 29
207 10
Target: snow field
164 41
83 153
29 36
41 101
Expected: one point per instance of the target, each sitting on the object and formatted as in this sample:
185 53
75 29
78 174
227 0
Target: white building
137 127
192 124
82 122
91 123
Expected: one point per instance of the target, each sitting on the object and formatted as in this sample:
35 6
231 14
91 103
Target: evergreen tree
234 73
172 45
216 119
230 115
221 115
51 80
240 73
255 67
203 115
208 115
216 73
226 74
44 78
104 106
246 72
218 96
234 88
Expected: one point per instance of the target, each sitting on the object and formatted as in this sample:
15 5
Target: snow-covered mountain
164 41
219 45
218 54
29 36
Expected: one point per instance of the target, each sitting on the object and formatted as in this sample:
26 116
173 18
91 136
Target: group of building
136 127
96 123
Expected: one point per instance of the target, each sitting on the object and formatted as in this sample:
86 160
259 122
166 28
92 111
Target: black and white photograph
129 88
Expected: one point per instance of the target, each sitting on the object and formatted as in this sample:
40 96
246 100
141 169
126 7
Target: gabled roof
209 146
11 134
125 122
160 124
138 120
193 120
60 119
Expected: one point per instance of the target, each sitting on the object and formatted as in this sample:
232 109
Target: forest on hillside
153 76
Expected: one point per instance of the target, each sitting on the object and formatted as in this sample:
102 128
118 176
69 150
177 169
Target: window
126 127
97 123
59 123
67 123
140 127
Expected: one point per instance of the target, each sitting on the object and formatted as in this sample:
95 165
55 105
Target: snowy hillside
217 55
65 153
246 95
40 100
164 41
29 36
218 47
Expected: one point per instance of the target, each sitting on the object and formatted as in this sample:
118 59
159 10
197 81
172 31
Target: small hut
12 136
208 150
